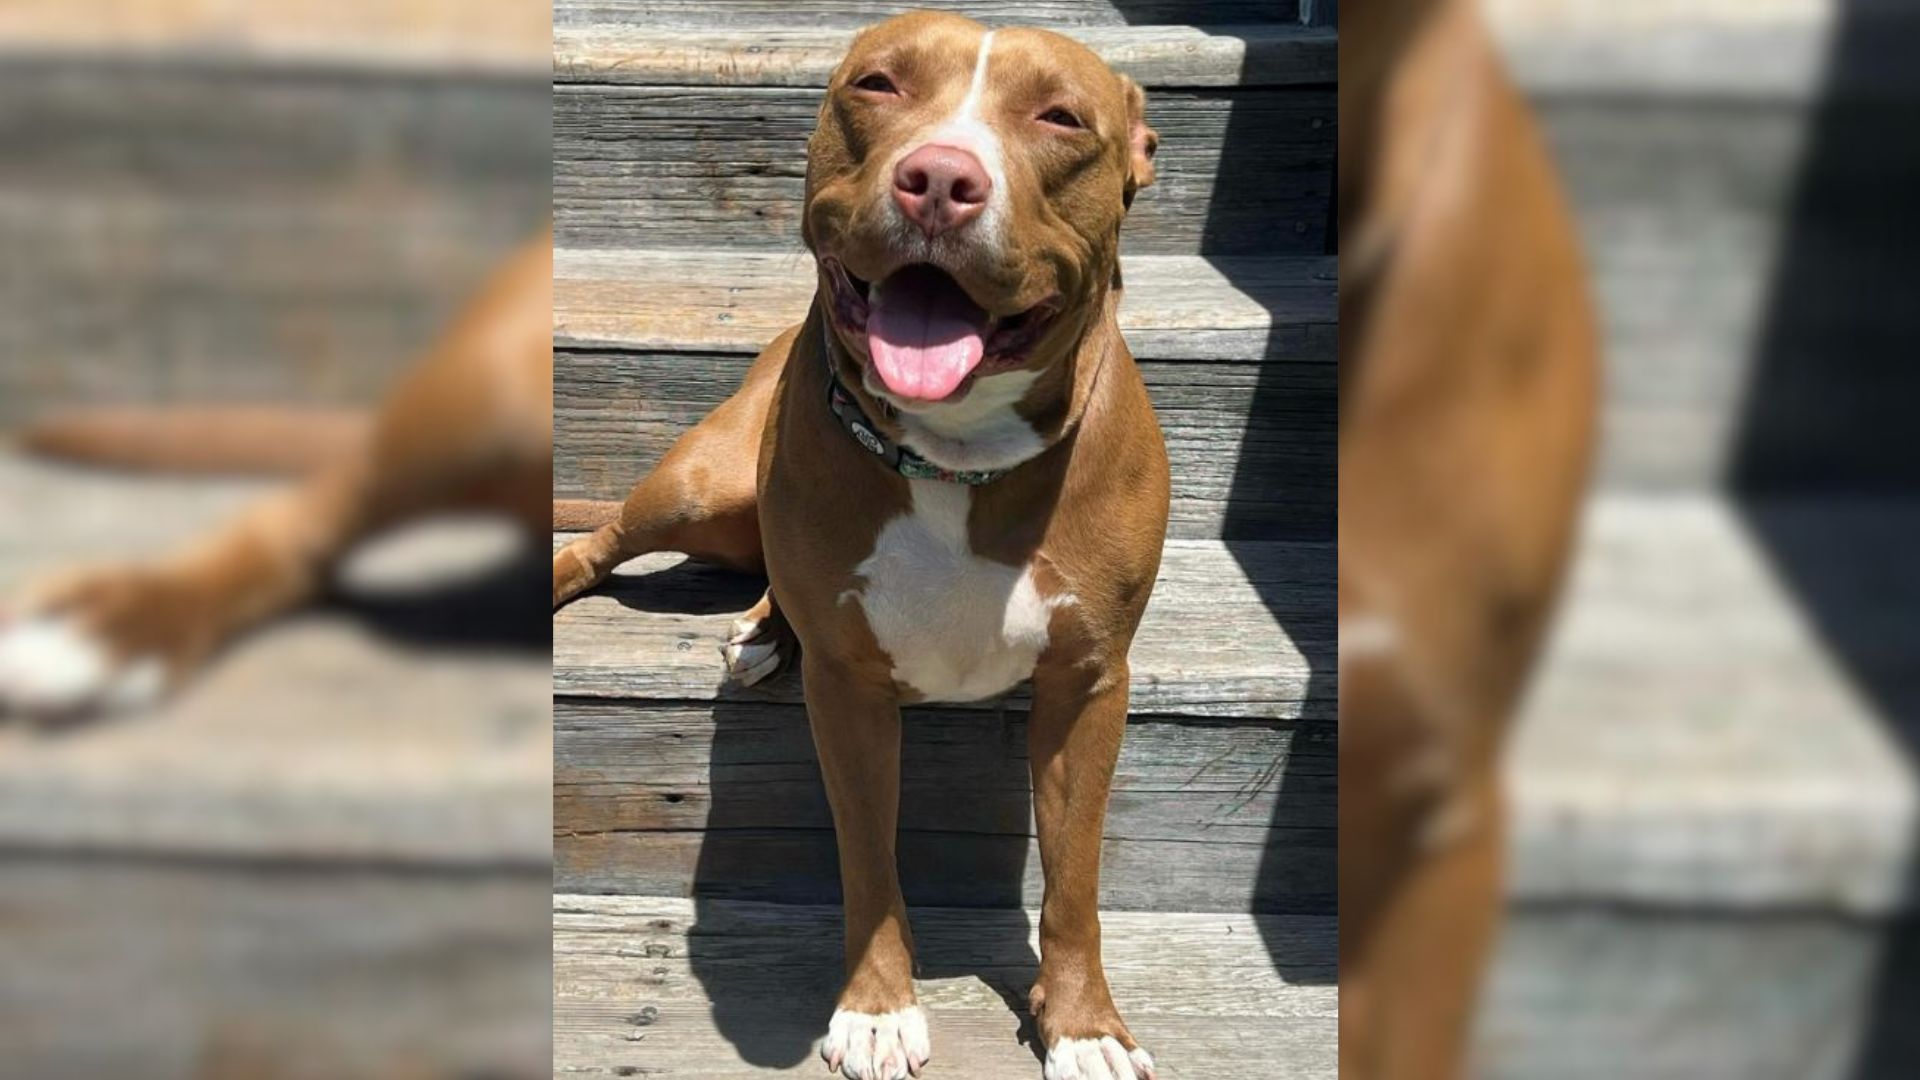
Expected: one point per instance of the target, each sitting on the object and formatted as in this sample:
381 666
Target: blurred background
1714 782
329 856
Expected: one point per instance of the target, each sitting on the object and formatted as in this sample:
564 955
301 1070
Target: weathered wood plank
704 989
1704 732
725 800
179 128
286 51
751 14
1241 172
1664 993
1176 308
1780 55
271 972
201 235
1252 448
1232 969
784 866
1233 630
421 36
1729 252
1682 206
185 301
1269 54
767 1038
678 767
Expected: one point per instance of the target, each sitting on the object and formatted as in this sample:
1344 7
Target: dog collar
841 402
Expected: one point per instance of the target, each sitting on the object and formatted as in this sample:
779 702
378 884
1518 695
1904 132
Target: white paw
750 658
49 667
891 1046
1097 1059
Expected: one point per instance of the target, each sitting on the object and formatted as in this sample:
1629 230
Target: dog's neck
1006 418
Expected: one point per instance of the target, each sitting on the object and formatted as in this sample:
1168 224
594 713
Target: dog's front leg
1079 716
877 1031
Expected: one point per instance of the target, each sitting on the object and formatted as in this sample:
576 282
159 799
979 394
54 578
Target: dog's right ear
1142 140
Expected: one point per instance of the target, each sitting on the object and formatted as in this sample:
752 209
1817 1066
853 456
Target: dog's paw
1097 1059
52 668
890 1046
760 644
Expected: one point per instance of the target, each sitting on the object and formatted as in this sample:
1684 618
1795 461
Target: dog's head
965 191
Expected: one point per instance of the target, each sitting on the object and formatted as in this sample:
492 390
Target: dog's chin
1008 342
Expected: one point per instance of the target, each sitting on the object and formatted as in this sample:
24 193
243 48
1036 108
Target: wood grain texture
180 233
180 128
645 166
1682 207
1730 208
1252 447
1733 242
678 988
1270 54
1233 630
1176 308
748 15
192 302
419 35
1700 737
1685 994
1774 53
273 972
725 801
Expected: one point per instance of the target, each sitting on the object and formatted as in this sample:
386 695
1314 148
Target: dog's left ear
1142 139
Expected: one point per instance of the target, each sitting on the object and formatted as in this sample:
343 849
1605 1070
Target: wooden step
1713 802
1770 52
1177 308
1691 742
1259 54
1735 191
1725 719
747 15
1683 207
1233 630
245 228
666 782
421 36
1252 444
212 969
714 988
1241 171
1581 992
1252 447
724 799
349 734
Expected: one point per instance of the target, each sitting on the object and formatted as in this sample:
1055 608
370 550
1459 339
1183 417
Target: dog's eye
877 83
1061 118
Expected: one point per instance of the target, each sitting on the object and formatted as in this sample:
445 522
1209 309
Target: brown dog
1466 414
470 426
960 481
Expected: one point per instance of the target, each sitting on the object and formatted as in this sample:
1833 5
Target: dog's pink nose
940 188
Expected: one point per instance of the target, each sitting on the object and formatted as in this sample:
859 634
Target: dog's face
964 198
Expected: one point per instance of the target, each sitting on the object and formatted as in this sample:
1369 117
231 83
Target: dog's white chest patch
958 627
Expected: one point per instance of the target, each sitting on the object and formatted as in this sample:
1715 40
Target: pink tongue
924 333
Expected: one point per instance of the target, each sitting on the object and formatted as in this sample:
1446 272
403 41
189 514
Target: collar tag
867 438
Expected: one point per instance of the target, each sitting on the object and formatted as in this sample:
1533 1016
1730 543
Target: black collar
846 409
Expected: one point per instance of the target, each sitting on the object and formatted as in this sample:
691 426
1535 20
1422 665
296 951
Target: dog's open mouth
924 335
